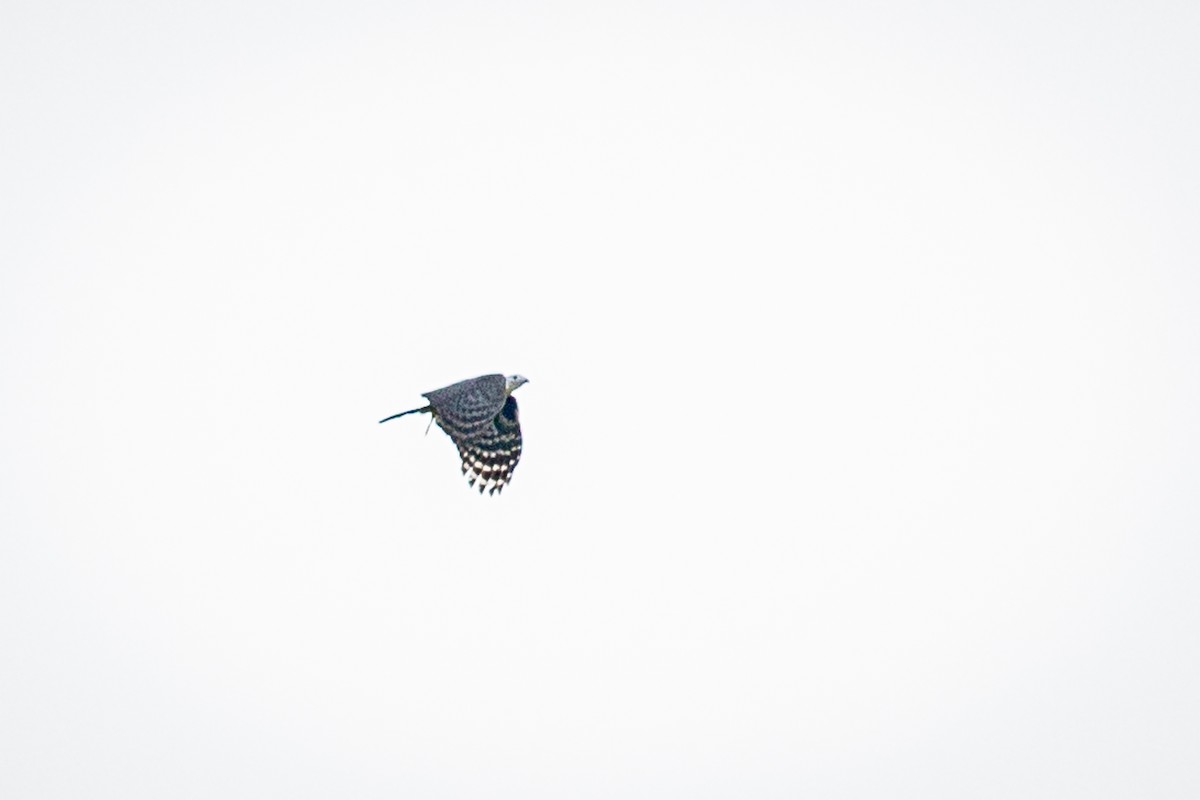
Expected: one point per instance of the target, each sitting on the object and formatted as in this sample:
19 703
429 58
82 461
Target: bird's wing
467 408
490 455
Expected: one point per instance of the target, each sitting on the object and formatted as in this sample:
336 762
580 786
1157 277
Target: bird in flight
480 415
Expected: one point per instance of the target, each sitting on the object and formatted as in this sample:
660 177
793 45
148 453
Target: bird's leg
430 425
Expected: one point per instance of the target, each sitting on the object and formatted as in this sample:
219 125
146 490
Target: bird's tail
403 413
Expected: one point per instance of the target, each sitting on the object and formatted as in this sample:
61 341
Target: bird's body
480 416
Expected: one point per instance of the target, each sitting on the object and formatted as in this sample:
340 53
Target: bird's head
513 382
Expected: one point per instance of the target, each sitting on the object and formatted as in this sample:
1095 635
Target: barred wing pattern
490 454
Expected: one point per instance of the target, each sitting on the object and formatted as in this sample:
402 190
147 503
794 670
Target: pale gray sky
862 443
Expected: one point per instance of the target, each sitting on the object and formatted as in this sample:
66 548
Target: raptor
480 416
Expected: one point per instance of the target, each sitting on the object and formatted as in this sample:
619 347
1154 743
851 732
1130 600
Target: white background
862 440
